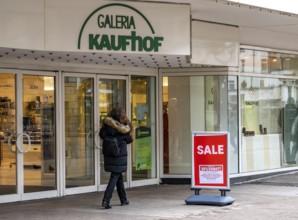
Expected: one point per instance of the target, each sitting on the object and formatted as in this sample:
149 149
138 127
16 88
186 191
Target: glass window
8 168
79 129
290 64
268 112
246 61
39 123
263 62
197 103
143 111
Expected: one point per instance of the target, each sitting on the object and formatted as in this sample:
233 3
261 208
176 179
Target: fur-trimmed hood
121 128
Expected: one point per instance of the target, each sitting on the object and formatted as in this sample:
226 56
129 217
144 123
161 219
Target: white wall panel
214 44
22 24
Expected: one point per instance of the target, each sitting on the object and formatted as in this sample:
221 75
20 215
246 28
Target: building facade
65 64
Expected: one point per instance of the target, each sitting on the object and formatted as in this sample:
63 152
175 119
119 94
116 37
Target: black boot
106 204
125 202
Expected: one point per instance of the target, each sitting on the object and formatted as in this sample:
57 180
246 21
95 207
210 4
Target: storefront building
65 64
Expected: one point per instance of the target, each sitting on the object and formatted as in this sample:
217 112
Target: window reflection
144 130
112 93
264 62
197 103
79 129
268 108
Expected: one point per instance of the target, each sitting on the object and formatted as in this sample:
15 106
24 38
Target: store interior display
35 124
37 121
7 112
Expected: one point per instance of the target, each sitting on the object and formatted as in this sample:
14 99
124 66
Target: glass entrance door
112 93
83 96
39 133
27 136
88 98
79 132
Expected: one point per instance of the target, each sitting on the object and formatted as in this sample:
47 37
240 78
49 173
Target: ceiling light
48 83
165 81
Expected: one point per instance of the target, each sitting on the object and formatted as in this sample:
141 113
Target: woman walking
116 125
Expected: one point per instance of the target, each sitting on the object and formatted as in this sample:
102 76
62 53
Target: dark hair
115 113
118 114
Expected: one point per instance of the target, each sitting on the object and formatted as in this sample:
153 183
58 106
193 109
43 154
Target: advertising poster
210 160
143 148
211 174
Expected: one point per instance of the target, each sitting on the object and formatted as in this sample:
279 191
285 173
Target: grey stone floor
269 198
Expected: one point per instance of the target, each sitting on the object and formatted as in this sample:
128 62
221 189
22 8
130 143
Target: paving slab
253 200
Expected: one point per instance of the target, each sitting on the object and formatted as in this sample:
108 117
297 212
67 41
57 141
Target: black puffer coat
113 128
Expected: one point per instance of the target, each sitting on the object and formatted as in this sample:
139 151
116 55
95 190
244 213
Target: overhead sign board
210 160
127 36
117 27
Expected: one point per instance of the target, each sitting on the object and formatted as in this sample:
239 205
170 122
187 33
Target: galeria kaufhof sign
105 21
117 27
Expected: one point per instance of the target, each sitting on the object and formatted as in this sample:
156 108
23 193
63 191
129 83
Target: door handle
96 140
28 146
88 138
9 143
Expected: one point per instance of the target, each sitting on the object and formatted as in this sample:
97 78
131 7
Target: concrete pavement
269 198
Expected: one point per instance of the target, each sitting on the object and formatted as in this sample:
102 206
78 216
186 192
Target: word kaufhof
131 42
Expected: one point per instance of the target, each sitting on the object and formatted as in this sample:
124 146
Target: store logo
118 32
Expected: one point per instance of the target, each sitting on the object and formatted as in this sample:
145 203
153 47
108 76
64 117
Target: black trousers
116 179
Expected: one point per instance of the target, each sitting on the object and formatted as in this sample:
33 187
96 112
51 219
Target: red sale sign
210 160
